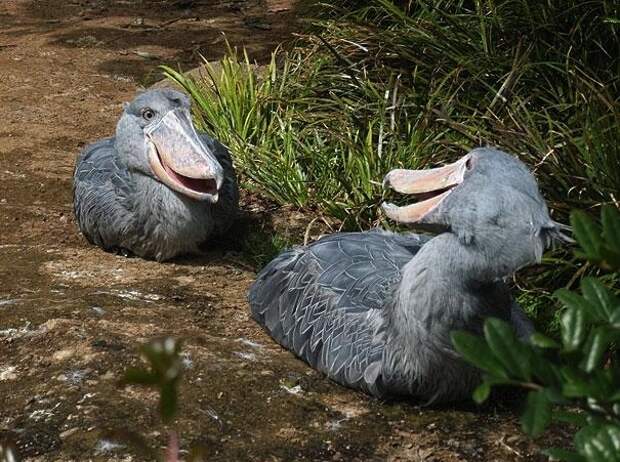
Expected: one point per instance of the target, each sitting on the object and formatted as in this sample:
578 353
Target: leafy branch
575 379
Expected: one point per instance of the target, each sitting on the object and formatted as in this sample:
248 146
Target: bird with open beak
158 189
374 310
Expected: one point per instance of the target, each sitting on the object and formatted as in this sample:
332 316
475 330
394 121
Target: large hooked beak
432 185
181 160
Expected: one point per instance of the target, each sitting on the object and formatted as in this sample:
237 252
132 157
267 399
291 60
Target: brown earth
72 316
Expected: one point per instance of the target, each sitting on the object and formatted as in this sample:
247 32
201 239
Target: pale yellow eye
148 114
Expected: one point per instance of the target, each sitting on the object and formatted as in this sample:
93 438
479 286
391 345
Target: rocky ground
72 316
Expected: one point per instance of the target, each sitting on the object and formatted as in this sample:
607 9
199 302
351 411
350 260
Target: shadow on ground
142 34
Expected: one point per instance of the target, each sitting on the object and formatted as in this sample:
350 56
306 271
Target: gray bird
157 189
374 310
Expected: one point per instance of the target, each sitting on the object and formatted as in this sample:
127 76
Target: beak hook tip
389 208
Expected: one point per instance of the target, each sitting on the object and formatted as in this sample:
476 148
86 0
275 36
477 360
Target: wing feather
325 301
101 190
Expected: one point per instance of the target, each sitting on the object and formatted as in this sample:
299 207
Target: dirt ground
72 316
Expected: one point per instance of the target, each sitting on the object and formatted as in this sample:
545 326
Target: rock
8 373
147 55
108 376
63 355
98 310
67 433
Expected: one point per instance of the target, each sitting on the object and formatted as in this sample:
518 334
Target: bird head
156 137
488 199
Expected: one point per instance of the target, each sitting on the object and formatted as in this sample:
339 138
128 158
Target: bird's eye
148 114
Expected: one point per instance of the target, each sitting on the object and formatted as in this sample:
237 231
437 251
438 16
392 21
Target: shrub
576 380
377 86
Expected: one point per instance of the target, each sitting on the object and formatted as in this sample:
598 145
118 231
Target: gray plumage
374 310
120 203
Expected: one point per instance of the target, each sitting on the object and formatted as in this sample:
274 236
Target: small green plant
576 379
164 375
166 370
260 247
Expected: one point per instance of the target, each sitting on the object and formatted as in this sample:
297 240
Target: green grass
377 85
261 247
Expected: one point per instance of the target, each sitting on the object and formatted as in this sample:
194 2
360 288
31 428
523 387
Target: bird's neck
155 199
445 286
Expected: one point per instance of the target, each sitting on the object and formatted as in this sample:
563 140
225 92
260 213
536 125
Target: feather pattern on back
326 302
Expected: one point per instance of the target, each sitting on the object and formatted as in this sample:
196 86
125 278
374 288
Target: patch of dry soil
73 316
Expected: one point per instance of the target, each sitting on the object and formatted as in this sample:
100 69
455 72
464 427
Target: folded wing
328 302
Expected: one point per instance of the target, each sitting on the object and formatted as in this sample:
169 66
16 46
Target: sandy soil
72 316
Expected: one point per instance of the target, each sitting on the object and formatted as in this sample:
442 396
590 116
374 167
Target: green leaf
555 396
602 445
537 415
507 349
481 393
563 454
610 218
140 377
599 384
611 258
584 435
574 418
542 341
598 296
575 386
476 351
545 371
596 346
615 397
168 402
615 318
572 300
162 353
573 327
588 234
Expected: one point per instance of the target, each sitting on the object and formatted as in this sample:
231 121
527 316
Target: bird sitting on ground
374 310
158 189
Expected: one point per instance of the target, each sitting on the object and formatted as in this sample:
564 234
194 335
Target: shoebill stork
157 189
374 310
